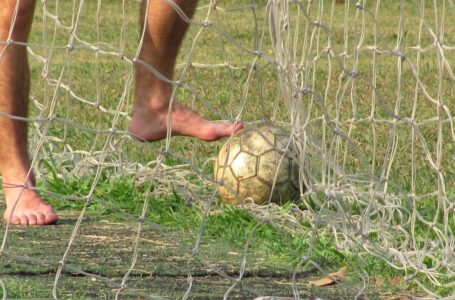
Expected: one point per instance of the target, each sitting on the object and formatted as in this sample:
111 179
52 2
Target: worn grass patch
103 250
172 245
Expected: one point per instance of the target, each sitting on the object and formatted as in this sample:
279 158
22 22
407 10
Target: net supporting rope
368 103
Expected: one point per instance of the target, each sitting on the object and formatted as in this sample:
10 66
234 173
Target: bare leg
23 206
165 30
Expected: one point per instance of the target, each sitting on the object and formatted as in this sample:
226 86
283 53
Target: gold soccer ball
254 165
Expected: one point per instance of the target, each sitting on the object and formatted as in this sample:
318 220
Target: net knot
397 117
329 51
304 90
166 152
359 5
399 53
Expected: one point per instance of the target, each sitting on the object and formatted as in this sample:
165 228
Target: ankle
26 180
155 98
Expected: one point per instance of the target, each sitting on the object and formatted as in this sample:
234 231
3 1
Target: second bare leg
164 33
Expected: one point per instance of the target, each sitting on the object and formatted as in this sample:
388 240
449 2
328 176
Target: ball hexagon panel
255 189
244 166
281 141
254 143
268 167
230 184
229 152
268 133
284 191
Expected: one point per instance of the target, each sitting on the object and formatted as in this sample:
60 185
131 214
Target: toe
238 125
228 129
31 219
14 220
225 130
50 218
40 219
23 220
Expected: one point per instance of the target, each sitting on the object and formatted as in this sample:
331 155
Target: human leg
164 33
23 205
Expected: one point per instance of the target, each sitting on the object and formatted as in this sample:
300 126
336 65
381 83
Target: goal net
366 90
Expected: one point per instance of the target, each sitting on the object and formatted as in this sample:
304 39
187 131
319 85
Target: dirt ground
166 267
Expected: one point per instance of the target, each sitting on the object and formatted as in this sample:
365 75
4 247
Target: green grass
227 223
276 248
220 93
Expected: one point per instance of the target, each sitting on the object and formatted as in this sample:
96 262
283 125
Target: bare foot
30 209
149 124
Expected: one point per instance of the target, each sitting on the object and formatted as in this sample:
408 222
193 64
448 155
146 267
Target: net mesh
365 88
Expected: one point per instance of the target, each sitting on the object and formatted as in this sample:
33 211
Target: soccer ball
253 165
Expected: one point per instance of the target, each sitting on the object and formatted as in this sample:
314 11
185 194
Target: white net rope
365 88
